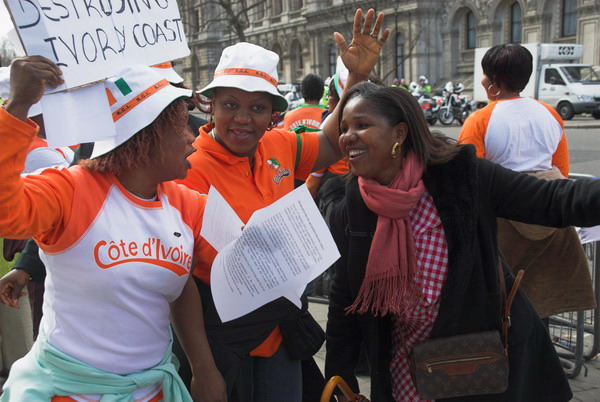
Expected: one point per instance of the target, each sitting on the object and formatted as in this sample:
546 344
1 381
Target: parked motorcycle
429 105
454 105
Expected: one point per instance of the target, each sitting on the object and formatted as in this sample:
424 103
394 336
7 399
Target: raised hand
28 79
363 52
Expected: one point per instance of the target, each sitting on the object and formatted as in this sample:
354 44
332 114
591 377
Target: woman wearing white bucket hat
114 274
253 165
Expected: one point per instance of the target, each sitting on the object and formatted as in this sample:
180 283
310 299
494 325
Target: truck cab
570 88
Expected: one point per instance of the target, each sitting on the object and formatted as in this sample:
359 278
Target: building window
297 62
277 50
515 23
296 5
569 20
332 57
277 7
260 10
471 33
400 56
195 20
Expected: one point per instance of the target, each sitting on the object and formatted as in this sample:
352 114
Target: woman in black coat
446 256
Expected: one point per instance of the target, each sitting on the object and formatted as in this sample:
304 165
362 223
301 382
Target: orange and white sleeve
474 129
35 205
560 159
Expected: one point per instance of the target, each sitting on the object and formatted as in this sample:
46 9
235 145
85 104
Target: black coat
469 194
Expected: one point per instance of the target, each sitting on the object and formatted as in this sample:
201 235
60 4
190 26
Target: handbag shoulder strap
507 302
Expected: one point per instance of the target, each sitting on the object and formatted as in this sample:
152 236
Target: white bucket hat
137 95
250 68
340 77
167 71
34 110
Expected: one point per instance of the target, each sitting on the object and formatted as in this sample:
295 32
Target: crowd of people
426 227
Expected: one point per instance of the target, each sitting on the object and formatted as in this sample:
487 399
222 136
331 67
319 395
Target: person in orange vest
310 113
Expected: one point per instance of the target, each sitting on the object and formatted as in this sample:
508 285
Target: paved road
583 135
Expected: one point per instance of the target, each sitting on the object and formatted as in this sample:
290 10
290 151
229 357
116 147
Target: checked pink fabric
432 261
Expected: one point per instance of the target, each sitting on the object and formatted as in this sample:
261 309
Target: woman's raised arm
360 58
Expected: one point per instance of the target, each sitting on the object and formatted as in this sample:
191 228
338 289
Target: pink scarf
389 285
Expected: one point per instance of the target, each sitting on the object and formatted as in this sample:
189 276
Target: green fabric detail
123 86
298 150
46 371
307 105
305 129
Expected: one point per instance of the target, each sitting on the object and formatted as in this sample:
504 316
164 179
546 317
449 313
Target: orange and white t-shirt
521 134
114 261
308 115
280 157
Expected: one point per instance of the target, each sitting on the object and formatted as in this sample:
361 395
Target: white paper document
280 250
79 116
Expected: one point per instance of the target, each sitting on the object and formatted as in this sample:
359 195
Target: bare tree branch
236 14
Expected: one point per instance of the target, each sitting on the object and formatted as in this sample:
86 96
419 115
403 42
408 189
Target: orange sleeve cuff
560 159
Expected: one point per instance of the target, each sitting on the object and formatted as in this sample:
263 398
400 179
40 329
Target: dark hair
509 66
139 150
396 105
312 87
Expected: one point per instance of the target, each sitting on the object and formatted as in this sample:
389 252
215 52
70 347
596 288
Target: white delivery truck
556 79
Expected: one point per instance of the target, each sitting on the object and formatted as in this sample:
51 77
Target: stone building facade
435 38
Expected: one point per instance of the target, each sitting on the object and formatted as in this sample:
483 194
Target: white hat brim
171 75
248 84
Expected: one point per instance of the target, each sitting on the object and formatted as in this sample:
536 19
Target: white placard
78 116
91 40
281 249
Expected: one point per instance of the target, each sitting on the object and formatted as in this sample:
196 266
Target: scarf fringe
381 294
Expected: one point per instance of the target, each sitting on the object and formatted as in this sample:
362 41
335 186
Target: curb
579 126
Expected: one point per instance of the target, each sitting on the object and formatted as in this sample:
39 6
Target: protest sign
91 40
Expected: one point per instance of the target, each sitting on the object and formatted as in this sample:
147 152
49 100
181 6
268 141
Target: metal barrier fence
577 334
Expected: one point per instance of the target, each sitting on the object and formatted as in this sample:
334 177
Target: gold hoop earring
395 150
494 95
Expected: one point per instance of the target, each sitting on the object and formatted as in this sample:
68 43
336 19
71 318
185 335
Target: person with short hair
119 240
420 260
526 135
309 114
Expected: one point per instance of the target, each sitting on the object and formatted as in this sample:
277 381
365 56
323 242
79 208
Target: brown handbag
468 364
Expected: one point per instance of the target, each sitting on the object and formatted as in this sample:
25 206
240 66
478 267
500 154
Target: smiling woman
253 165
417 232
